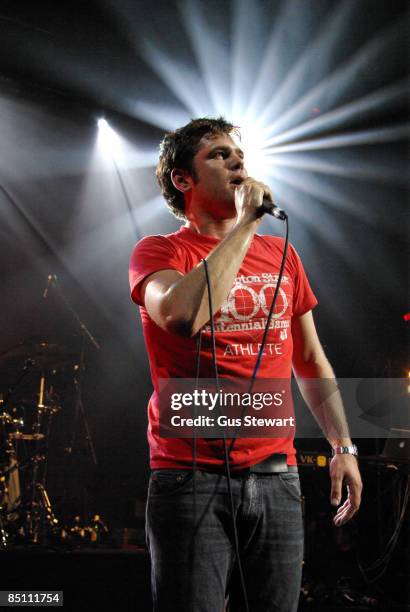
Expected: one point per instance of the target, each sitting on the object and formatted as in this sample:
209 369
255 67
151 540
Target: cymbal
5 417
22 404
45 356
52 408
17 435
11 419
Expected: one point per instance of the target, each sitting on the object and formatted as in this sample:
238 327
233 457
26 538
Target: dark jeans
191 541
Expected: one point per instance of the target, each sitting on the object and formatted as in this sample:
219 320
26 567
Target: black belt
275 464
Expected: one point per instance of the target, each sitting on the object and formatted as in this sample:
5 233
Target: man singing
202 175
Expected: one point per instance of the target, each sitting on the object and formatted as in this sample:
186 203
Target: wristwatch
345 450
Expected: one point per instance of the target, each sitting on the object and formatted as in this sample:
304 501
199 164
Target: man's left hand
344 470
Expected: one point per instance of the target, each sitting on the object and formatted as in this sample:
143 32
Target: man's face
219 169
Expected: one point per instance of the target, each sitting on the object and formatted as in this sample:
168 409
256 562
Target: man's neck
203 223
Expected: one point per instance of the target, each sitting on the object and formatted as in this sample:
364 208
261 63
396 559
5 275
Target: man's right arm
179 303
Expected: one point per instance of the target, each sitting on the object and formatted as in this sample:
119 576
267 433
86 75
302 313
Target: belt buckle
275 464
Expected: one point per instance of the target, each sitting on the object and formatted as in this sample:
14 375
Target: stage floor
113 579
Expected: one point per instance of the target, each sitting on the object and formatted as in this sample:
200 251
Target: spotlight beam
346 168
288 92
110 141
247 48
131 210
269 70
160 115
183 82
208 50
385 97
31 222
328 229
50 247
334 85
365 137
336 196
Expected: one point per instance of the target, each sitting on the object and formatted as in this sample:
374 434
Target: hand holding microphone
252 197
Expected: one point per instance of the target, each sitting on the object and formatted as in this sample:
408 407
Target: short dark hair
178 149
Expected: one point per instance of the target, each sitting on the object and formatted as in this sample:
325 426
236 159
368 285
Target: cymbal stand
3 532
28 364
79 407
82 326
40 516
79 410
3 511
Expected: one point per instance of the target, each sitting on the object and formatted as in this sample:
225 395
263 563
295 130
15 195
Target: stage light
282 101
108 139
252 137
299 112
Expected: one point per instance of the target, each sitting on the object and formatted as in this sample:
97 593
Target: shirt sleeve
304 299
150 255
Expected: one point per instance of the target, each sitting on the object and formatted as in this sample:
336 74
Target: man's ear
180 179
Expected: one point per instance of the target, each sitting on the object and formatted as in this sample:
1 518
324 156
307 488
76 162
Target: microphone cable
227 452
268 321
194 440
194 461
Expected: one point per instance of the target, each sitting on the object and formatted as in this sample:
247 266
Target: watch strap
345 450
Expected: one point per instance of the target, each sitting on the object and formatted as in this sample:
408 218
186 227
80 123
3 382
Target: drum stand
40 516
30 517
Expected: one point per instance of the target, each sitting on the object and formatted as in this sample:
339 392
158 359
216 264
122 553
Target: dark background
68 209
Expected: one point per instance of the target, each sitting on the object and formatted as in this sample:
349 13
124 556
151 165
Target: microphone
270 208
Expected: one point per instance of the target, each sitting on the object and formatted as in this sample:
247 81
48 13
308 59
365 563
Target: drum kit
28 408
26 513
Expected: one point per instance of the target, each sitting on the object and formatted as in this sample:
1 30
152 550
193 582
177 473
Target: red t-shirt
239 327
